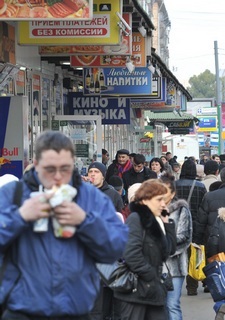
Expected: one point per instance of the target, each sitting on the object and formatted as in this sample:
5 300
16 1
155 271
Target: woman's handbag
118 277
197 262
167 279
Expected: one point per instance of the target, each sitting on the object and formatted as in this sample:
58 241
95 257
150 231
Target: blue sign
112 110
148 103
207 124
118 81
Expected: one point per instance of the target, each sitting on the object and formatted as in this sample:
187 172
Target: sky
195 26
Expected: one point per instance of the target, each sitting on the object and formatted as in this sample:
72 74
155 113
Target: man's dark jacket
130 177
113 195
208 212
183 187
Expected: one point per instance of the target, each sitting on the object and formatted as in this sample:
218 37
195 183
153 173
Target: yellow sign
102 29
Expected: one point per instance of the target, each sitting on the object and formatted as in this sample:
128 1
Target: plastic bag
197 262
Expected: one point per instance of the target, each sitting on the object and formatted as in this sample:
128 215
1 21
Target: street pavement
198 307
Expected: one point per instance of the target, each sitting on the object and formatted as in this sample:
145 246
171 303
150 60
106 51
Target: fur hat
123 151
98 165
132 190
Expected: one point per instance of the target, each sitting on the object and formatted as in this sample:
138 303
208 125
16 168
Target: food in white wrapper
64 193
40 225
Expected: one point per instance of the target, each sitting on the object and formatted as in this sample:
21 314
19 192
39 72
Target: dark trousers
191 283
135 311
106 307
13 315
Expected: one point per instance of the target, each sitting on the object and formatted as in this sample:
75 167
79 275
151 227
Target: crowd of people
145 213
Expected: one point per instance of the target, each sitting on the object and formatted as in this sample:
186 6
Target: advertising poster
113 81
36 108
20 82
112 110
223 114
7 43
101 29
137 56
45 97
46 9
13 137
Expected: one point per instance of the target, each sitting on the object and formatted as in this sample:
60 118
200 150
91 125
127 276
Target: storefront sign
179 127
207 124
152 102
113 81
102 29
84 55
47 10
112 110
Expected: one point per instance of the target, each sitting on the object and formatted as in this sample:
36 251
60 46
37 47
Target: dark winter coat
146 250
181 215
113 195
114 171
216 241
183 187
207 214
131 177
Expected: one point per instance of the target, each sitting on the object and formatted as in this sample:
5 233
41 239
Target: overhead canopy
177 122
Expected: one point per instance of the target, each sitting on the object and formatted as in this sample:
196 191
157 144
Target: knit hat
123 151
6 178
116 182
98 165
132 190
210 167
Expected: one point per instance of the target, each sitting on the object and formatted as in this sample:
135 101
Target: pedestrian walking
151 240
178 210
49 276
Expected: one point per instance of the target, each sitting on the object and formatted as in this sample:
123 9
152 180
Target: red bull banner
13 135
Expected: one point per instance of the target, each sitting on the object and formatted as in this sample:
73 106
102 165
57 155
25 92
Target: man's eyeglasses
64 170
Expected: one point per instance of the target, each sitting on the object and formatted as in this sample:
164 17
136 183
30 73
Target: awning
177 122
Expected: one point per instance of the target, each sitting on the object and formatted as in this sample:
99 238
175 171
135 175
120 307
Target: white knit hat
6 178
132 190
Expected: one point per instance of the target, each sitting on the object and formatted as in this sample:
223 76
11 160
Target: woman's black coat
147 248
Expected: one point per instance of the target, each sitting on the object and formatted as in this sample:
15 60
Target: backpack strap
18 193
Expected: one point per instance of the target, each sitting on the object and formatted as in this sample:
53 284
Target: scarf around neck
122 169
